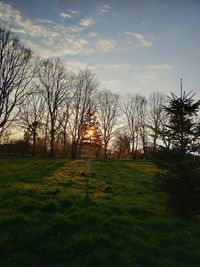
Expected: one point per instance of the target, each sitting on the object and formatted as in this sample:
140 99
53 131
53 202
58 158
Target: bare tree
5 137
141 111
55 84
83 104
45 132
65 115
155 115
16 72
31 117
108 110
121 144
164 132
129 108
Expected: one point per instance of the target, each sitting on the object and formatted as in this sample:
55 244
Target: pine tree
181 178
182 128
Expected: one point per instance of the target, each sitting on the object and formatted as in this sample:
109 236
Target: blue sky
132 46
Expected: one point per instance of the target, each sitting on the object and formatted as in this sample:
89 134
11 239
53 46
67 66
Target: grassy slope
50 217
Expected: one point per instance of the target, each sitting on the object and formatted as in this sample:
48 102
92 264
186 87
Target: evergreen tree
181 178
181 111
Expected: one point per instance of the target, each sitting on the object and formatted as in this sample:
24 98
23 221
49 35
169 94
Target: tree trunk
105 153
45 140
120 151
105 150
133 148
144 148
34 142
136 146
52 140
98 151
74 149
64 143
155 143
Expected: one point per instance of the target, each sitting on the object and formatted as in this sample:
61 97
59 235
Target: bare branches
108 110
141 111
16 72
55 86
129 108
155 115
83 104
31 117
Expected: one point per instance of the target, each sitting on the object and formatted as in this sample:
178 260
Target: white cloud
50 39
93 34
75 29
160 67
76 66
73 11
86 22
105 45
68 14
110 83
100 44
13 17
104 8
153 72
106 67
65 15
147 76
22 31
144 41
61 49
48 21
8 13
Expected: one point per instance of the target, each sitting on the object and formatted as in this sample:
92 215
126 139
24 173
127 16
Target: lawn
52 214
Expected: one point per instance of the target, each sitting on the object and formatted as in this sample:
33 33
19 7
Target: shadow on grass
43 222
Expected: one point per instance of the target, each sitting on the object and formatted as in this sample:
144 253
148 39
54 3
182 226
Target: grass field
51 215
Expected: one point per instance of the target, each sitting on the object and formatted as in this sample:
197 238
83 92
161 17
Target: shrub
182 183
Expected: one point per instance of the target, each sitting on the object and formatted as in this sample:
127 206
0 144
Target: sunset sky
132 46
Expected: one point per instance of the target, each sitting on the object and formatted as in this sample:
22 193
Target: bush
181 181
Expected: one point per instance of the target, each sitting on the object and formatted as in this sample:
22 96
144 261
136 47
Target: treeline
59 110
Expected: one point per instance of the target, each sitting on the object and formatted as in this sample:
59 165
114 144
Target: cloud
61 49
147 76
73 11
104 8
153 72
13 18
76 66
160 67
68 14
101 44
22 31
86 22
8 13
104 45
46 38
116 67
65 15
93 34
50 39
45 21
110 83
142 40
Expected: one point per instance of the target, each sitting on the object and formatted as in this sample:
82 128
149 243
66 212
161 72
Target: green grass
51 216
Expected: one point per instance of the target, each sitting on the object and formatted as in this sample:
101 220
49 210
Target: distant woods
62 113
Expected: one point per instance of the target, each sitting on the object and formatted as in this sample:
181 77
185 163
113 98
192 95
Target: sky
132 46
